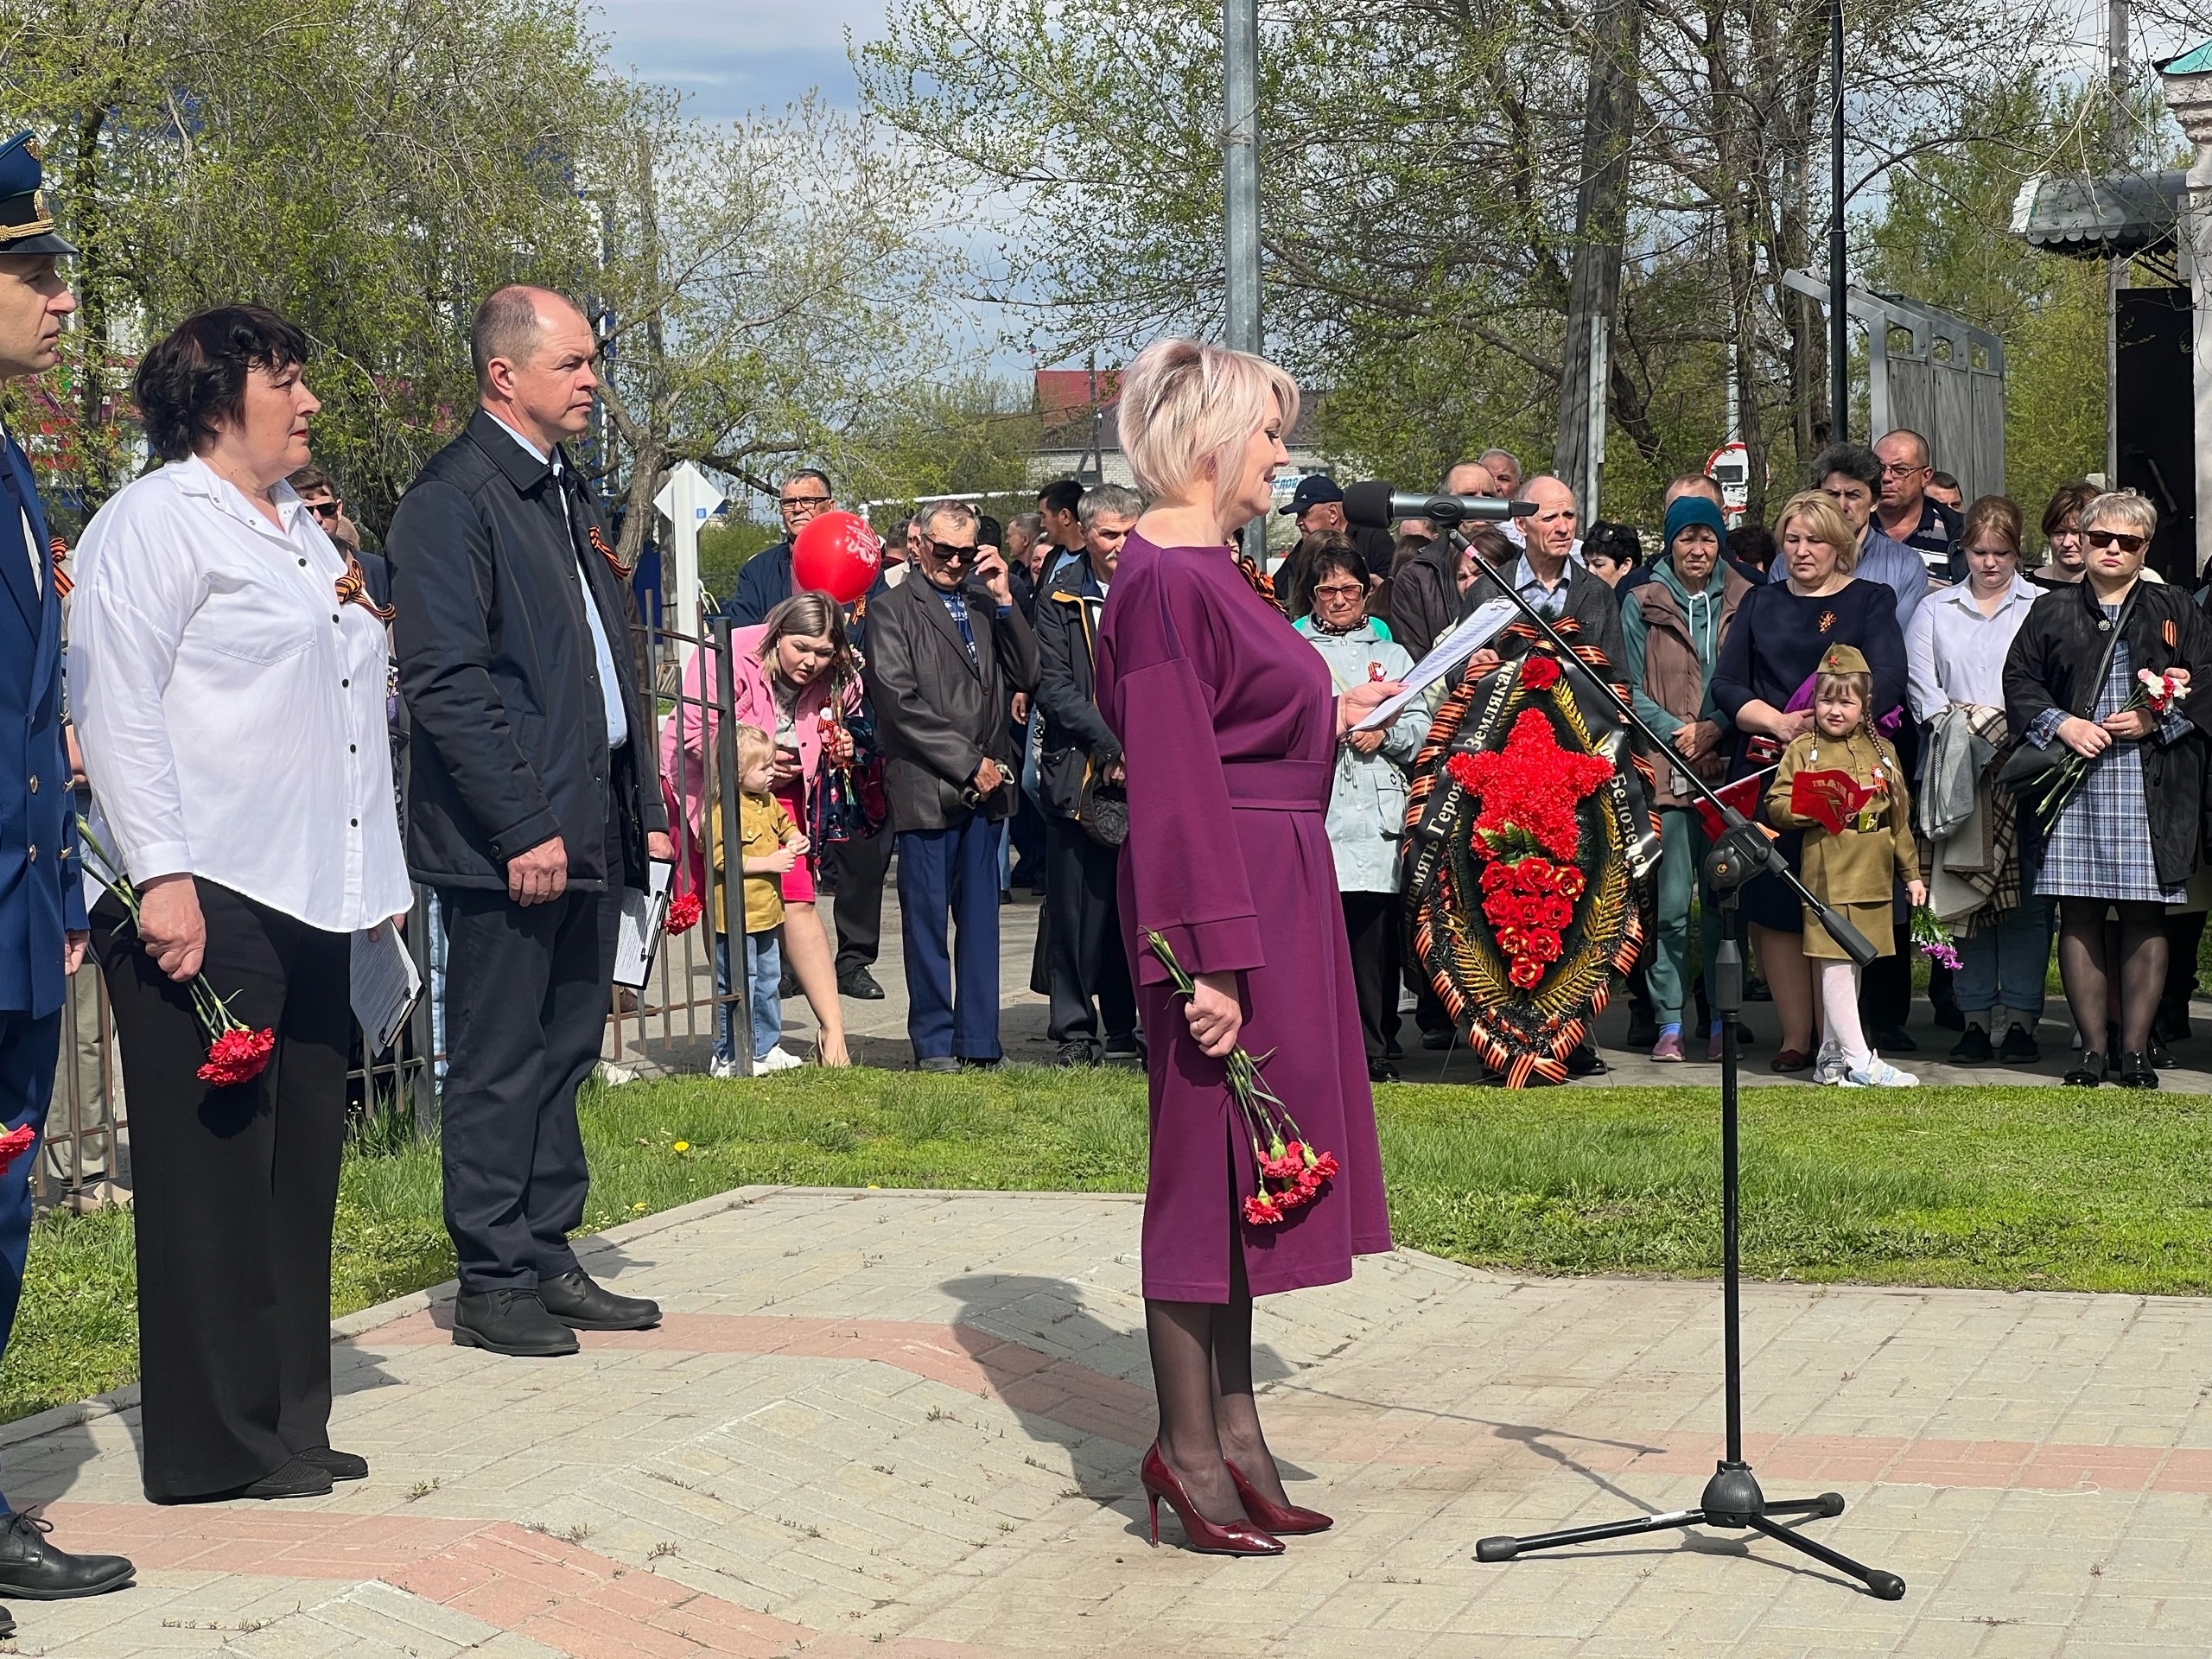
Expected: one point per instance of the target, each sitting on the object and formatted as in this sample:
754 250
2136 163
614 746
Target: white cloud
734 55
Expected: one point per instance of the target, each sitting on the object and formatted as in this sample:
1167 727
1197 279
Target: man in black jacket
535 801
947 651
765 581
1082 929
1427 599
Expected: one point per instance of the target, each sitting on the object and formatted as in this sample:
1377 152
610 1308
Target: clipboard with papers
639 938
385 984
1487 622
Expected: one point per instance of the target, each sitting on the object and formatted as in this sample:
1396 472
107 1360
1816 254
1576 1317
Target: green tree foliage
965 432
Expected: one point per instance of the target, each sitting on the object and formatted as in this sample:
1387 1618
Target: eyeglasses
2120 540
951 552
790 501
1340 590
1903 469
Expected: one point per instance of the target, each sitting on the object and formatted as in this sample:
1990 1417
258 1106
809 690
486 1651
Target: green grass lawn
2015 1188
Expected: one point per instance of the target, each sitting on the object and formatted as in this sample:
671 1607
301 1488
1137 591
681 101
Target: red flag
1743 795
1830 798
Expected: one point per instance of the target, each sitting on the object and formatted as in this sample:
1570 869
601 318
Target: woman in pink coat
784 673
1230 725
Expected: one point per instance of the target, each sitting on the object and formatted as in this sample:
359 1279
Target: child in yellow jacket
1854 872
770 844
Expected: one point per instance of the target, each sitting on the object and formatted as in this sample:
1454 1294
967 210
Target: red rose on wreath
1526 972
1570 884
1539 673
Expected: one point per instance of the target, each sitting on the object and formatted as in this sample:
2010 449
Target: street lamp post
1838 282
1240 145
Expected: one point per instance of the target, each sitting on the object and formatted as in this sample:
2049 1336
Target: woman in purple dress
1230 724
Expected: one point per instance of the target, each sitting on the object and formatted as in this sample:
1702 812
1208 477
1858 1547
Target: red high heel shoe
1288 1520
1208 1538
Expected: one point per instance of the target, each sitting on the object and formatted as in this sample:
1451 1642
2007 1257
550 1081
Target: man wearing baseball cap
1318 504
43 925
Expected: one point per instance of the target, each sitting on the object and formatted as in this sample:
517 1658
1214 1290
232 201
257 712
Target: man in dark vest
43 931
535 802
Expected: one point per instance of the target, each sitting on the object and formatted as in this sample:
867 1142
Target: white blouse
1954 653
230 709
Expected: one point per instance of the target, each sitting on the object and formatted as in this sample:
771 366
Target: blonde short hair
753 744
2119 509
1826 522
1187 409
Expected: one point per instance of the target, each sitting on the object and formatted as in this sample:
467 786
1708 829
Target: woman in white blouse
227 677
1954 659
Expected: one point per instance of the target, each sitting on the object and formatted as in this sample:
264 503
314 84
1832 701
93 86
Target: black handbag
2027 769
1103 809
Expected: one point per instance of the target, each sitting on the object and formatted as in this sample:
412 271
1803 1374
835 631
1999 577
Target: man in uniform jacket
947 651
43 931
535 801
1082 932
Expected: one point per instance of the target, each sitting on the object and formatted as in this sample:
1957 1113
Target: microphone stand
1732 1499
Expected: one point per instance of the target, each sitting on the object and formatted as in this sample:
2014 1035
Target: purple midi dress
1228 722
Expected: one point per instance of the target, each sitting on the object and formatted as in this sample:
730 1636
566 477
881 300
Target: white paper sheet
385 984
639 938
1453 649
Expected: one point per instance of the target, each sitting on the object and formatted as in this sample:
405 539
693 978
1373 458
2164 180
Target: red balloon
837 554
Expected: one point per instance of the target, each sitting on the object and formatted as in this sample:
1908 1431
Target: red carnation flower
1539 673
683 912
1261 1210
238 1056
1324 1167
15 1144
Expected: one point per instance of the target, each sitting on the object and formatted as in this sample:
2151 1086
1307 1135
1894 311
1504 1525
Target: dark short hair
1943 481
1852 461
1751 544
814 472
1619 542
1336 555
1061 495
194 376
311 480
2066 502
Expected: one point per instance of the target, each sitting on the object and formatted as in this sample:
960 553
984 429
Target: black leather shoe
7 1624
1755 990
2161 1056
1895 1040
341 1466
2136 1071
1075 1052
1382 1071
298 1478
581 1303
1583 1062
511 1322
1974 1048
1437 1039
2087 1071
1642 1027
859 984
2019 1047
1129 1046
1950 1016
33 1570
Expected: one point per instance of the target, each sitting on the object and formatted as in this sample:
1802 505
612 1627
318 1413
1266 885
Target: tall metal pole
1839 284
1240 145
2116 76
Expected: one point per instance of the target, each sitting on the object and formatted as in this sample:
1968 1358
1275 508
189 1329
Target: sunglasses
952 552
2120 540
325 509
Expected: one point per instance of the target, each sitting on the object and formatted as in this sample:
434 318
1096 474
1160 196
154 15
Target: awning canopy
2099 218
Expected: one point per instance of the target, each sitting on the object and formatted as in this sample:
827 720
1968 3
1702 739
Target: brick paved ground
908 1424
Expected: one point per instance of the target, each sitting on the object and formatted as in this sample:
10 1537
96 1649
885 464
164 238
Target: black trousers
527 988
235 1192
858 902
1373 924
1084 953
1886 988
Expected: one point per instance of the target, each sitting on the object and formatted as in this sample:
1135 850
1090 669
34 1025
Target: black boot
511 1322
581 1303
34 1570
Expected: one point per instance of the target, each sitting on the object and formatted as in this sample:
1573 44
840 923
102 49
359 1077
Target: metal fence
665 1027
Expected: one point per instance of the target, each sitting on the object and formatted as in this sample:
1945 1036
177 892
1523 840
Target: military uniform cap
1844 659
26 221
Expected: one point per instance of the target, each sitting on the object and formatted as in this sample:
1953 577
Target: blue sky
729 56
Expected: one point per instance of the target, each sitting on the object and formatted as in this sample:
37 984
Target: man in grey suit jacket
947 651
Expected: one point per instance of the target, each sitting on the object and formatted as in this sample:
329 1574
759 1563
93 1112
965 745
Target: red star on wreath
1532 786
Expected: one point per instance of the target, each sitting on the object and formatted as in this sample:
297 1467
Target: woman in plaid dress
2106 851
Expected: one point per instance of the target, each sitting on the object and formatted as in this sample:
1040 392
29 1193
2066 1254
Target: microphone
1373 504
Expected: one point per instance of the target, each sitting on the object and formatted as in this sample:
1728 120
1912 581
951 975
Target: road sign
1730 467
687 501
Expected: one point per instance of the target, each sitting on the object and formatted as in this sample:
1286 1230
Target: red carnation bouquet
1291 1172
236 1052
14 1145
683 912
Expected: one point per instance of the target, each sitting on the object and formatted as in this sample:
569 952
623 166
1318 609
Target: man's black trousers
527 988
1083 951
1374 923
234 1192
858 902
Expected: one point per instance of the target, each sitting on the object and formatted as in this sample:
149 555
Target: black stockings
2112 976
1202 1371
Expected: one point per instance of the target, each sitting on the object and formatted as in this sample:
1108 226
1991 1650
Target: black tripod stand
1732 1499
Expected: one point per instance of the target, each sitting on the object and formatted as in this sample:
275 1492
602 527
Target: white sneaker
1830 1065
776 1059
722 1068
1878 1073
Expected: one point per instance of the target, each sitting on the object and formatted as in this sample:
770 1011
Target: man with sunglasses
1908 513
765 581
947 651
